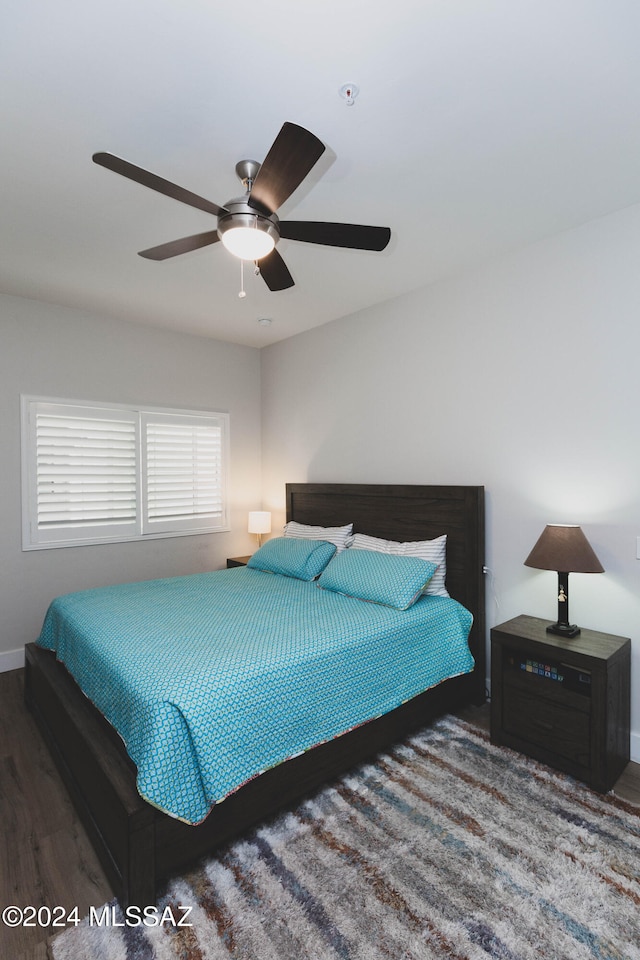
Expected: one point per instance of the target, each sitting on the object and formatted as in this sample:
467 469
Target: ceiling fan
249 226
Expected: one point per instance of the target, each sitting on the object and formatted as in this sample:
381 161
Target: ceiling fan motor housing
240 214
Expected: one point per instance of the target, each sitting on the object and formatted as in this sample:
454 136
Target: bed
139 844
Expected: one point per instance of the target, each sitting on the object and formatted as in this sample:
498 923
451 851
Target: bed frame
139 846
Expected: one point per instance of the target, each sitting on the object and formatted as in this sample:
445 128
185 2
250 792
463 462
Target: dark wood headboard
411 512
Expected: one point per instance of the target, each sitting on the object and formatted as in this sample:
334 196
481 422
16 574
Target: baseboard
11 660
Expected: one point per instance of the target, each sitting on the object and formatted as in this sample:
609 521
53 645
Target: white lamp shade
259 521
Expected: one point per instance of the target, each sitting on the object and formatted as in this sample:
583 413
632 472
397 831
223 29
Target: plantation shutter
84 482
99 473
184 472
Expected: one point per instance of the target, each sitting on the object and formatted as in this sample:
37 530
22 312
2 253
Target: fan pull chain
242 293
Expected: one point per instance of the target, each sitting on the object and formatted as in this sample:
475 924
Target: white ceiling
481 126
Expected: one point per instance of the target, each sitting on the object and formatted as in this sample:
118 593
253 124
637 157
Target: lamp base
564 629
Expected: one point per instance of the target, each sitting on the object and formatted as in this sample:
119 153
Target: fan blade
352 235
275 272
147 179
175 247
292 155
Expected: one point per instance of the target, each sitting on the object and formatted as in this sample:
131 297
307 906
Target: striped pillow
303 531
433 550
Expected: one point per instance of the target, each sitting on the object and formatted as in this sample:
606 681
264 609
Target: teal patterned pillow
434 550
378 577
302 559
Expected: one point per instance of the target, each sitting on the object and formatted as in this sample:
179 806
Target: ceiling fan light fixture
248 243
248 236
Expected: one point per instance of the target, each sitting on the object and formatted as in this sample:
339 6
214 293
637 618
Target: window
97 473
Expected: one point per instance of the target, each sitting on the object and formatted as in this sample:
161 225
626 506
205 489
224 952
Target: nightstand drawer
561 730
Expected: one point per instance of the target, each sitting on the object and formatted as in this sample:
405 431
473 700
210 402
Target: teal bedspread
213 678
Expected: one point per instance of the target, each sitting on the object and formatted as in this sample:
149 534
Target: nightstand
564 702
238 561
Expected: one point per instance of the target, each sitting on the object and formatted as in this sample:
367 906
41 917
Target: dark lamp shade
563 548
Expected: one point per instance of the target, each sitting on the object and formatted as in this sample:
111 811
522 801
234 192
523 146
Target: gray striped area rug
444 847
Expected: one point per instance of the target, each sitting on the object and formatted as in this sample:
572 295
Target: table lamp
259 523
563 548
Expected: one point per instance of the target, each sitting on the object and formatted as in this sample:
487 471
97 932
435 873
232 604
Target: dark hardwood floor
46 859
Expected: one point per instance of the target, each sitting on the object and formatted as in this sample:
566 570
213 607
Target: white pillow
303 531
433 550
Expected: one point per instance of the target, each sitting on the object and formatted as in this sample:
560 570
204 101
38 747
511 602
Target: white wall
523 376
52 351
